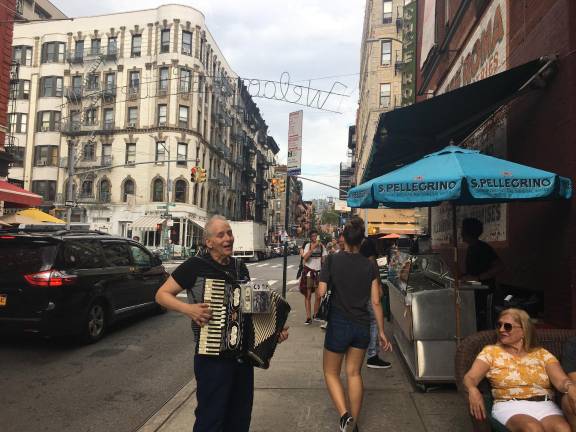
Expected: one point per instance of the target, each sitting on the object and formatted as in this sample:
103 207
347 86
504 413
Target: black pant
225 390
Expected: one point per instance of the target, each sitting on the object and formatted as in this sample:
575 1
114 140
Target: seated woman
521 374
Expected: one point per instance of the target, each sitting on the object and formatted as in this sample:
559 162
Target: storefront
502 76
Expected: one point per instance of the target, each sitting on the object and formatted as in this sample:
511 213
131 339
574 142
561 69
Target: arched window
104 191
87 190
158 190
180 191
128 189
89 151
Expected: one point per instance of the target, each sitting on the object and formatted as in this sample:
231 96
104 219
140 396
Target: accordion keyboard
211 334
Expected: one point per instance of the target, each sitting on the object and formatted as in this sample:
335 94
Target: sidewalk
291 396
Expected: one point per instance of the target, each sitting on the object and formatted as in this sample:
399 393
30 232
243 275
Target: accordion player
231 332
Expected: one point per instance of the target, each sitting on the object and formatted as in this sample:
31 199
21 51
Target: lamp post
168 190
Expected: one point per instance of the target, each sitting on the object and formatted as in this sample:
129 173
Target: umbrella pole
457 299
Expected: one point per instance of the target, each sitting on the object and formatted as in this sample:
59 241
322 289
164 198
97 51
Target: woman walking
354 280
313 255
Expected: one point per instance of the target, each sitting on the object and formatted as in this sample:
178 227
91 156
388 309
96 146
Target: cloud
262 38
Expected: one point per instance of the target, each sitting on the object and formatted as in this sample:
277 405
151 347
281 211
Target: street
113 385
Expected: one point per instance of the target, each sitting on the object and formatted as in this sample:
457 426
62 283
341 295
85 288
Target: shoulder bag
326 301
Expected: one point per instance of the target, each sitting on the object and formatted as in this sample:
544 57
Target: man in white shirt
313 255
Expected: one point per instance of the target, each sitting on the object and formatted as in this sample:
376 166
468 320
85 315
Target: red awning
14 194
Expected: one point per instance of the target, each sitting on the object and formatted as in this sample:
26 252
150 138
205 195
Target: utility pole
286 226
168 190
70 185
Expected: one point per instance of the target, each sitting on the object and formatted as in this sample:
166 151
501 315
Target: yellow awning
39 215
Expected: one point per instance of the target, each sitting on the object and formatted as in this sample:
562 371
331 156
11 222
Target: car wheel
95 323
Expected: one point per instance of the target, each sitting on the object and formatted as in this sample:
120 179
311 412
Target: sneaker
376 362
316 318
308 322
347 423
324 325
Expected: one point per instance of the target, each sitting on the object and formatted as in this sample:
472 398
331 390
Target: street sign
70 204
295 143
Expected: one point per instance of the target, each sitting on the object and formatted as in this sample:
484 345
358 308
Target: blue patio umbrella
462 177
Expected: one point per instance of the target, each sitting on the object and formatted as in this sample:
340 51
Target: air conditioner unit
45 129
130 162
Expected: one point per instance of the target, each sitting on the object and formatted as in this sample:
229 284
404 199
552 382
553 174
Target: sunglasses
507 326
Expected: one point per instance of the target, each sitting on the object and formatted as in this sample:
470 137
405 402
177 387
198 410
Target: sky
316 40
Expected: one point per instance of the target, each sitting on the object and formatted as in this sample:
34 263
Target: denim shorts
343 333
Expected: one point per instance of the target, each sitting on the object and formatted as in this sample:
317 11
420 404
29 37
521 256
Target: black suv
70 282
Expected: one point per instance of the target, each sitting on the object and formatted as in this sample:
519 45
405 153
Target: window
20 90
78 50
75 121
140 257
387 12
45 188
180 191
385 95
112 48
51 86
162 115
128 189
133 117
134 80
183 116
22 54
106 154
90 117
110 79
18 154
163 80
104 191
48 121
116 253
108 119
185 78
158 190
187 42
160 152
386 57
95 47
84 254
53 52
182 154
165 41
89 151
87 189
93 82
77 83
130 153
136 46
46 155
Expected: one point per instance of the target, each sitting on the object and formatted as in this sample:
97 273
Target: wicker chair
551 339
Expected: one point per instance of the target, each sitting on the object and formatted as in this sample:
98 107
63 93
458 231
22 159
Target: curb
161 417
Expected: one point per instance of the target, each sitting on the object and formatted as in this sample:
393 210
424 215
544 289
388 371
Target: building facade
461 42
132 103
383 88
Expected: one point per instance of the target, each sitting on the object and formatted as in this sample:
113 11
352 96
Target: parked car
72 282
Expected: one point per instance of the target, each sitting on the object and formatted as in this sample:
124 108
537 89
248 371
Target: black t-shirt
479 258
196 269
350 276
368 249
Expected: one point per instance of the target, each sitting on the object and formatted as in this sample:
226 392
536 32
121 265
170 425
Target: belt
541 398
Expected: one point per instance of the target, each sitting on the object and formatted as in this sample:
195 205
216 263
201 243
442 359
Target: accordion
232 333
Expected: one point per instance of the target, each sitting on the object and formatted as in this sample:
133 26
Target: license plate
3 299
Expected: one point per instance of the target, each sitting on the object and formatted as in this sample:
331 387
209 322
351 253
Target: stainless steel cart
423 312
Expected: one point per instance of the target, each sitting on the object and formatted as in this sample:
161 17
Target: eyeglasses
507 326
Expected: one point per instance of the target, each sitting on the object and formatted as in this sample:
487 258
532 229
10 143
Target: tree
330 217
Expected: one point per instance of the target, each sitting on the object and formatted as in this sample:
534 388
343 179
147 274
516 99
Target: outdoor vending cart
423 312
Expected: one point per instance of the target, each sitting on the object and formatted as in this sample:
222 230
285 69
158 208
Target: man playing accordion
225 385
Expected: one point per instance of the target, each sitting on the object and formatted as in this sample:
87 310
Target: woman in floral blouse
521 375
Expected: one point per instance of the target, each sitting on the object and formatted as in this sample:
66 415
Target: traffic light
202 175
281 185
273 185
194 174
